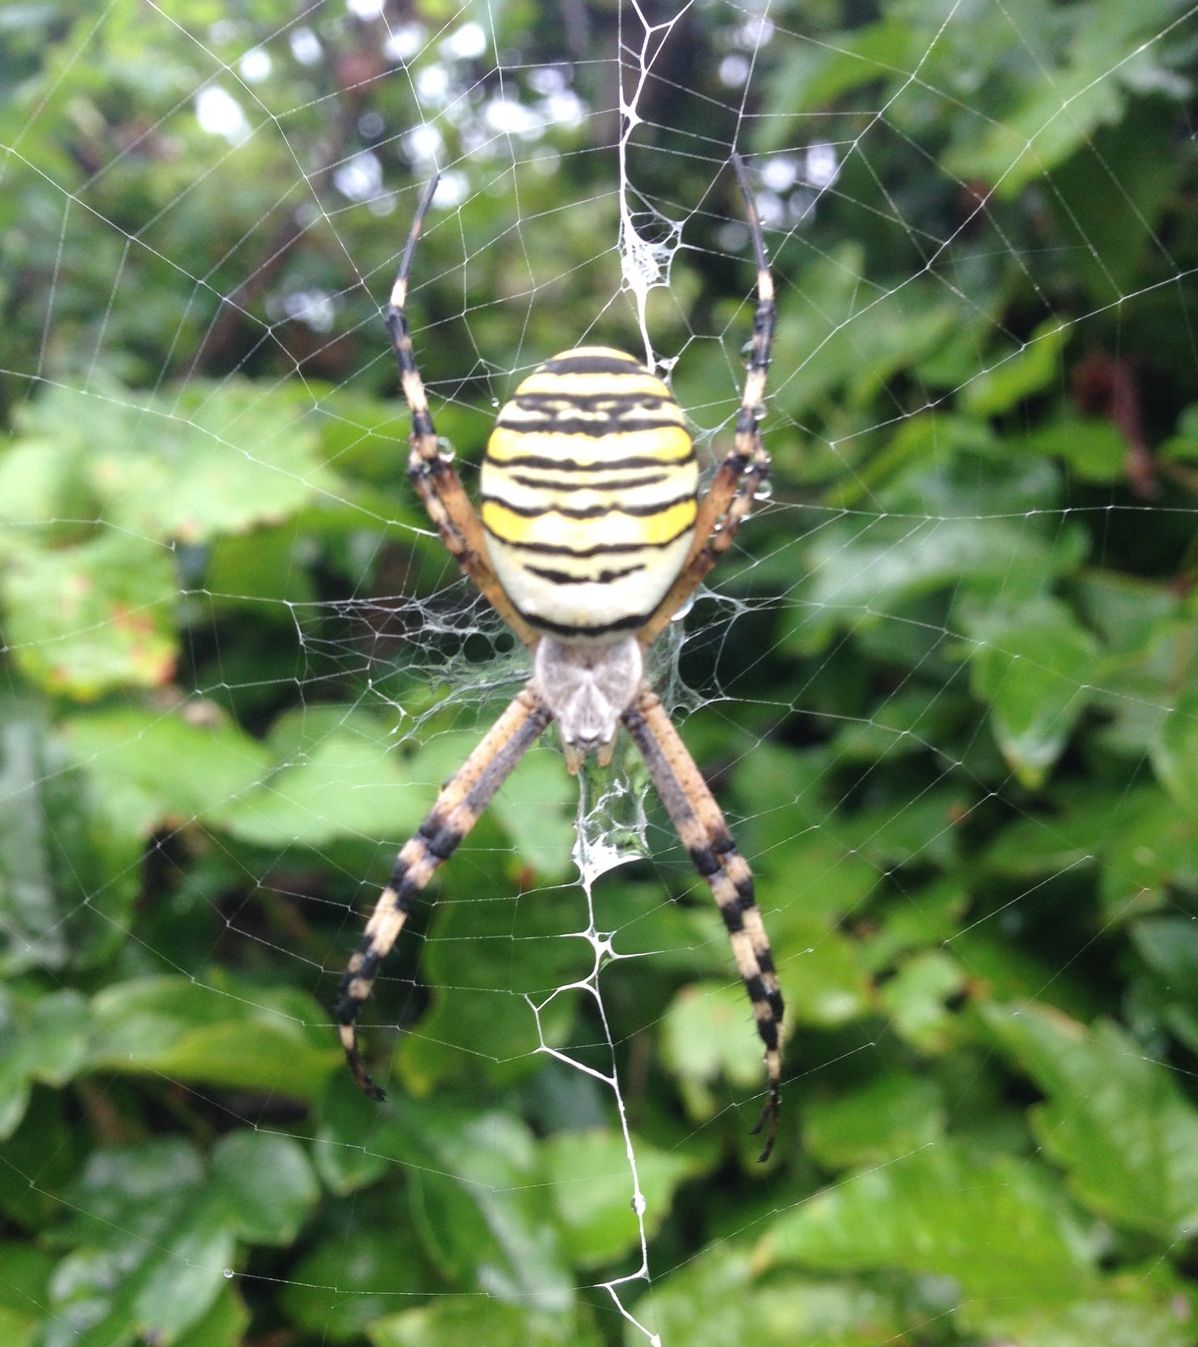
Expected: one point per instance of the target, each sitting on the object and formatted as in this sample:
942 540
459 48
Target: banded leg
461 801
701 826
431 471
747 464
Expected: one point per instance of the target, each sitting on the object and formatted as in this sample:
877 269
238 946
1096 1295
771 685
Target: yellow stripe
580 533
589 385
605 352
568 496
665 444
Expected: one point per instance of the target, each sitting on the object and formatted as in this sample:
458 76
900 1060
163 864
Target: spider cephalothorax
591 539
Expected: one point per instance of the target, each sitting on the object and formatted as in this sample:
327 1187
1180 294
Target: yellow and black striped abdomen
588 494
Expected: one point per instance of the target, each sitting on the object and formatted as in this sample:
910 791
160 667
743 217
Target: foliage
951 706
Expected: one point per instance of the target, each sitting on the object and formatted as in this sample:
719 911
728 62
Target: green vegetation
947 692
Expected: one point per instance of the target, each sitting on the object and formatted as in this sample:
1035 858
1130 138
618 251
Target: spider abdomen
588 494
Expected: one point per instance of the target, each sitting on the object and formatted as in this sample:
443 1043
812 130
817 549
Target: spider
591 538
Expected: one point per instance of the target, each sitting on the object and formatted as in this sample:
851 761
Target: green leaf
893 1115
1095 450
24 1277
224 1325
477 1195
68 879
46 1041
927 916
536 808
1169 946
345 786
836 879
1034 666
342 1159
183 1030
1150 847
84 620
1087 816
150 1250
996 1224
903 724
825 982
1131 615
1114 1119
220 459
877 567
1008 381
1137 1321
591 1182
816 75
1052 120
916 999
467 1321
42 493
268 1185
41 1158
721 1297
707 1035
354 1278
1109 232
247 568
489 948
153 768
1174 751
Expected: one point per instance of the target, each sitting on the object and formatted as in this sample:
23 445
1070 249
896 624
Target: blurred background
944 684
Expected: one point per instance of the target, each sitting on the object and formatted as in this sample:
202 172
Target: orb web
941 684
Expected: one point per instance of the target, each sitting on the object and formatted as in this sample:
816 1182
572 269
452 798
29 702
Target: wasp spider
591 539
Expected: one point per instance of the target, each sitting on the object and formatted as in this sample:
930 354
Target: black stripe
734 918
592 364
611 399
349 1006
607 399
372 961
440 839
567 578
576 465
563 422
589 511
599 549
704 860
571 629
573 484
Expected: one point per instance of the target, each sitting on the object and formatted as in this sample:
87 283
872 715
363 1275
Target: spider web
238 665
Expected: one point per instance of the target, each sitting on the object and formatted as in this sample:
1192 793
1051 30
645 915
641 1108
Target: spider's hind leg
701 827
461 801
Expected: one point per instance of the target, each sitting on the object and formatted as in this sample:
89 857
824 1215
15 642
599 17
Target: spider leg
458 806
747 464
700 824
429 468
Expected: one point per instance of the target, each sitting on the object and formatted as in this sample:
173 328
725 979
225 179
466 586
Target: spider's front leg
429 468
700 824
456 811
745 468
